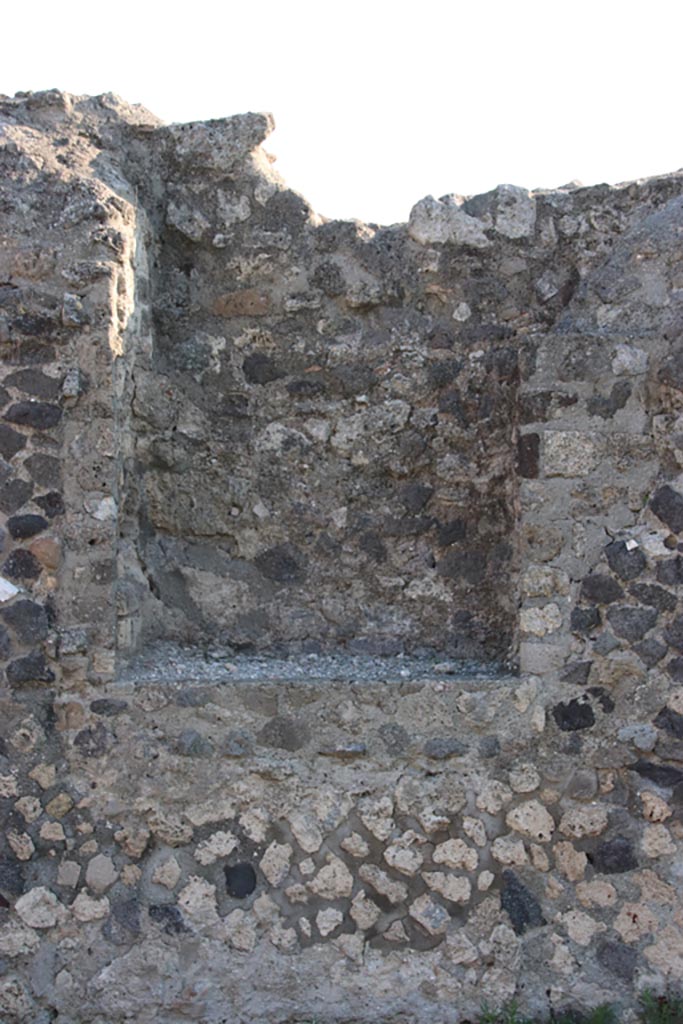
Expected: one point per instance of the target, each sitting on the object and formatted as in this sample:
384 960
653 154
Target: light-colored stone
52 832
493 796
437 221
68 873
377 816
21 845
596 893
455 853
570 862
217 846
8 786
655 809
485 881
666 953
540 621
364 911
634 921
16 939
475 830
327 920
396 932
454 888
59 805
459 949
167 873
381 882
515 215
429 914
569 453
587 820
133 841
544 581
333 881
39 908
403 854
306 831
197 900
509 850
29 807
275 862
581 928
100 873
539 857
657 841
532 821
7 590
240 930
86 908
355 845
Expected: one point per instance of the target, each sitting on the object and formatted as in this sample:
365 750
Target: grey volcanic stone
671 721
632 623
618 958
625 563
601 589
394 737
656 597
282 564
11 442
520 904
33 668
28 619
284 733
615 856
667 505
584 620
22 565
650 651
24 526
108 706
192 744
673 633
661 774
39 415
13 494
439 748
671 572
574 715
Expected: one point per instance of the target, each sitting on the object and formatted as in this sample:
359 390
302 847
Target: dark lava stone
671 369
673 634
671 572
667 505
34 382
577 673
660 774
5 645
123 922
520 904
261 369
671 721
11 876
394 737
11 442
601 589
617 958
650 651
439 748
191 743
108 706
22 565
373 546
584 620
615 856
28 620
625 563
452 532
574 715
13 494
282 563
656 597
675 669
284 733
93 741
31 669
44 469
528 455
237 743
489 746
632 623
603 698
39 415
21 527
415 496
469 565
240 880
52 504
169 917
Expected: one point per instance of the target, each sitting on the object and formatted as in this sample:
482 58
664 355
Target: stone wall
340 603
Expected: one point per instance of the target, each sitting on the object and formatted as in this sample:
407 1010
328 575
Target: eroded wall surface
229 424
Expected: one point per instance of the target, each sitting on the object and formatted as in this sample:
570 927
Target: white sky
379 104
